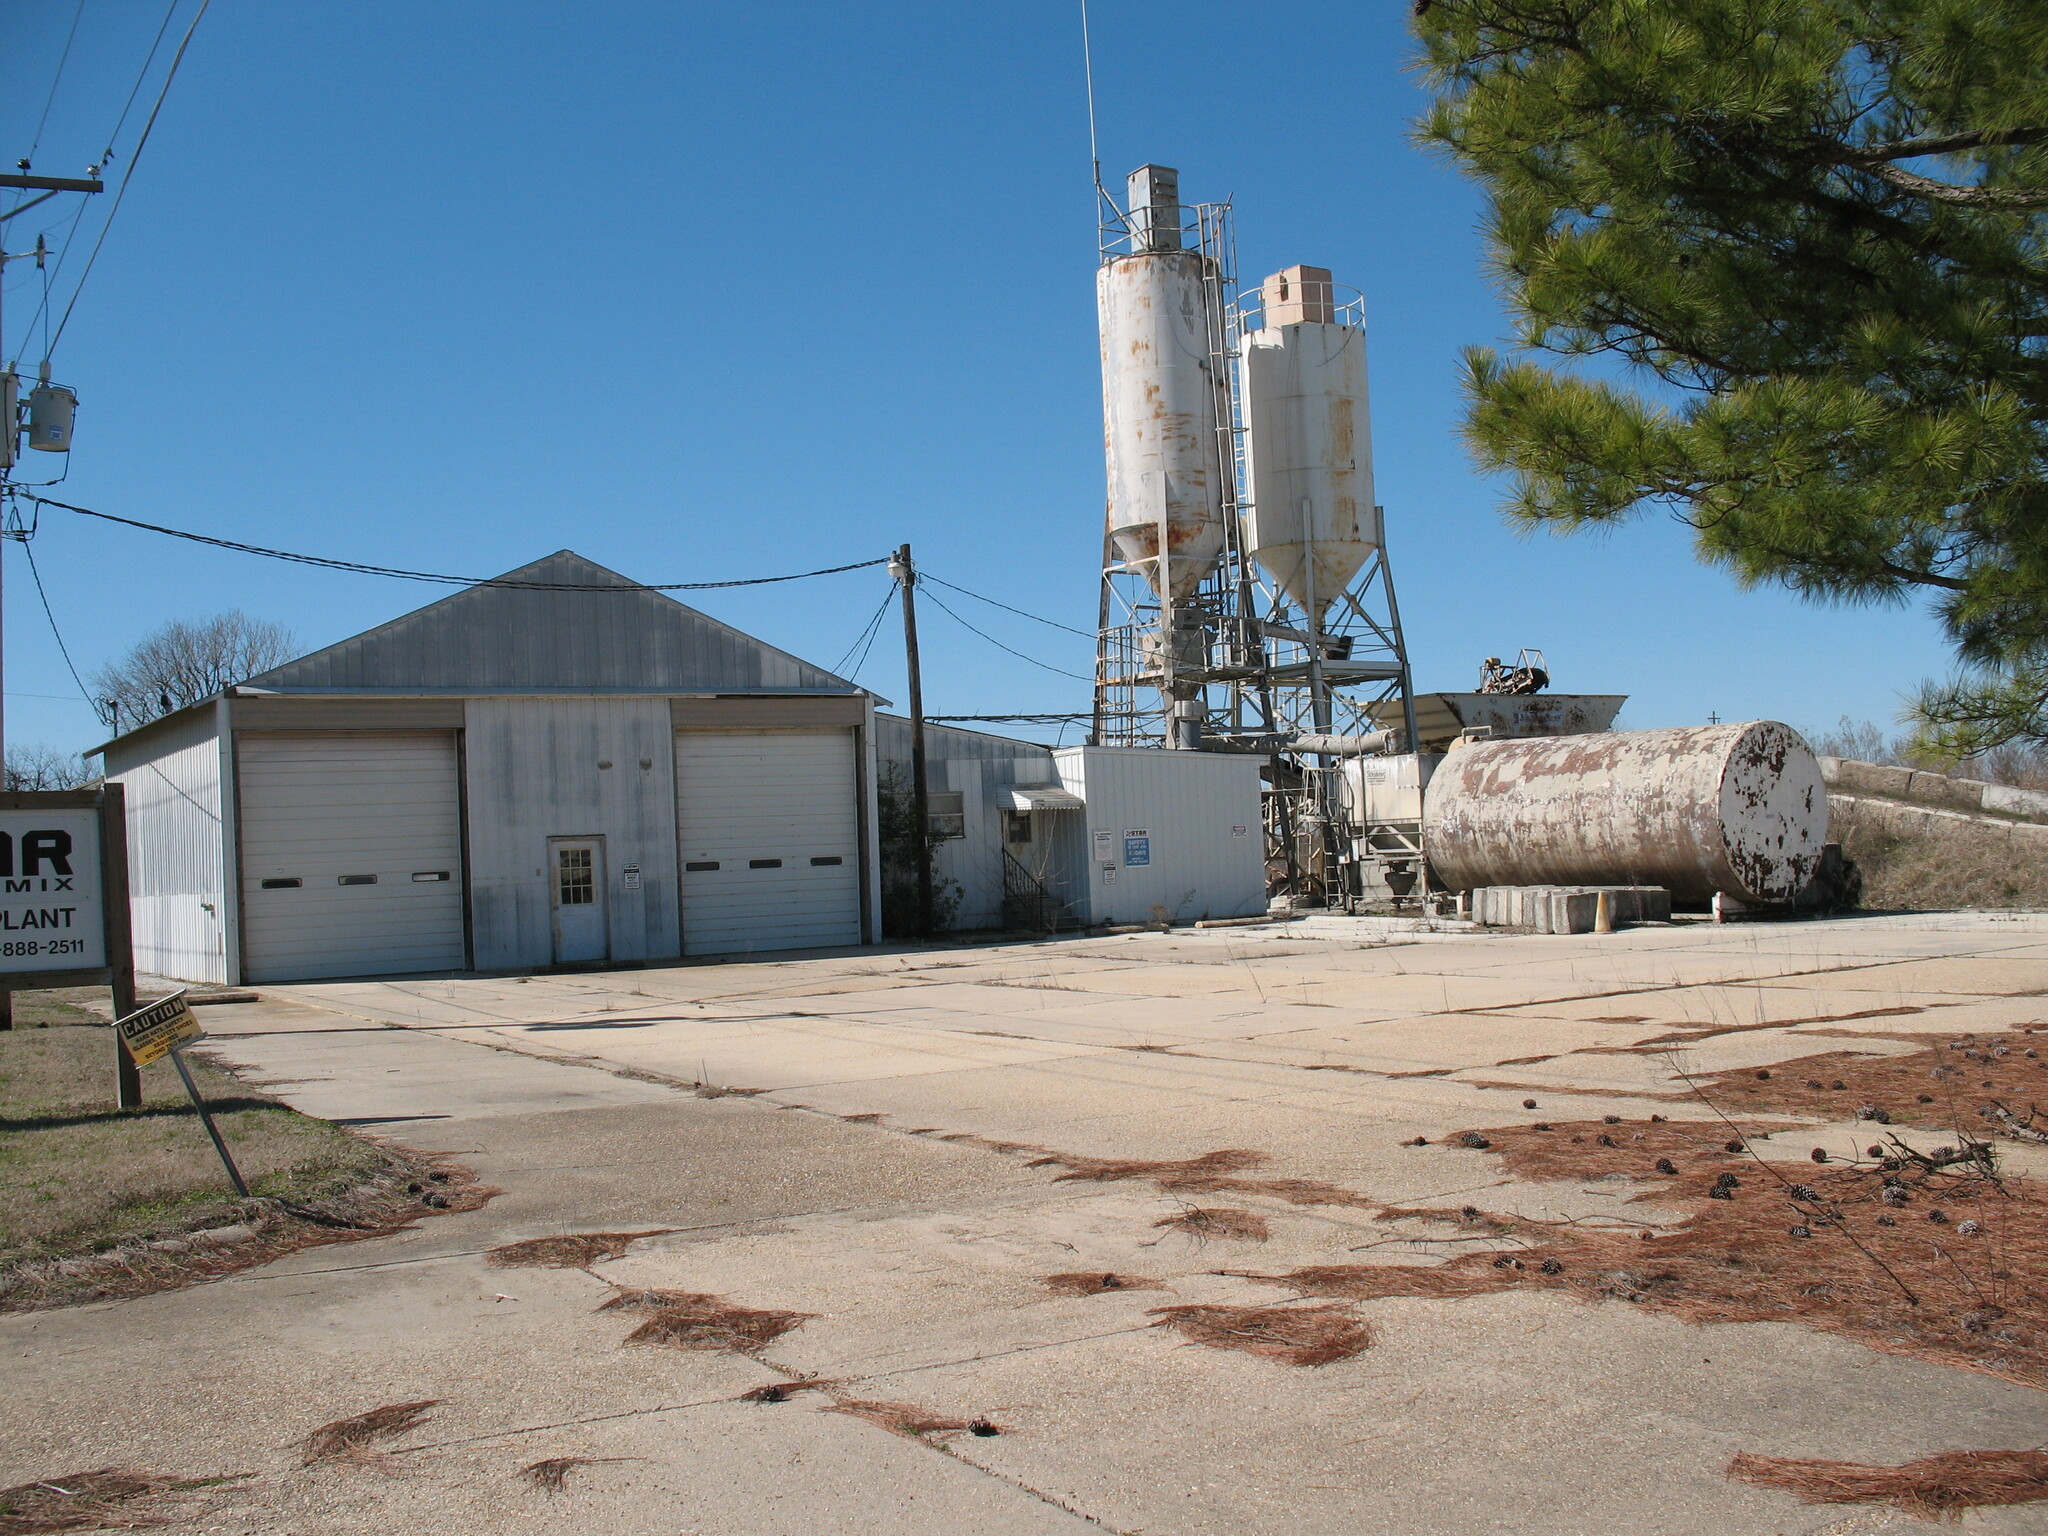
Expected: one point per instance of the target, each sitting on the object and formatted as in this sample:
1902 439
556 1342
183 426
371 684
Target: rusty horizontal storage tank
1738 809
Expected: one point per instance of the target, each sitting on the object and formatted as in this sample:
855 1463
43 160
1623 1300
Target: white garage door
770 840
351 855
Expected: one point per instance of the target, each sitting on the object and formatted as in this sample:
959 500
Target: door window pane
575 884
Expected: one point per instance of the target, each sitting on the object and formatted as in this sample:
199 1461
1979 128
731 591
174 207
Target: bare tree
46 768
181 663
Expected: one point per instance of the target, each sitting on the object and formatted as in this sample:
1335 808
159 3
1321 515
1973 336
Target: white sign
632 877
1105 846
1109 874
1239 831
50 917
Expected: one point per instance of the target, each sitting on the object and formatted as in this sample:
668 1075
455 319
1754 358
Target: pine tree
1802 242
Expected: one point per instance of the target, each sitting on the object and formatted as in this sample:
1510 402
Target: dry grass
1217 1221
350 1439
1905 866
410 1188
695 1320
1297 1335
578 1250
909 1420
1934 1487
553 1473
112 1498
1094 1282
78 1175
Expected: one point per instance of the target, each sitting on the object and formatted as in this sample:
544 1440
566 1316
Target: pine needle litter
1298 1335
350 1439
695 1320
1933 1488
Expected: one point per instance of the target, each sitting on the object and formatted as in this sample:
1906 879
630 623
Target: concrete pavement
1325 1044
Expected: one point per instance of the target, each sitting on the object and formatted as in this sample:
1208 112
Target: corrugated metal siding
323 714
533 774
501 638
1188 803
892 743
980 766
176 855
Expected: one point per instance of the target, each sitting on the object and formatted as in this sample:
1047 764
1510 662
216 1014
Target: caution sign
164 1024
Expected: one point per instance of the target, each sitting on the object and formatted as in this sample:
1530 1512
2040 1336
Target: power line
50 614
55 80
1085 634
128 173
992 640
142 74
361 568
864 641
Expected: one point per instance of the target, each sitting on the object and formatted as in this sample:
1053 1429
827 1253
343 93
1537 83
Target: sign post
164 1028
64 902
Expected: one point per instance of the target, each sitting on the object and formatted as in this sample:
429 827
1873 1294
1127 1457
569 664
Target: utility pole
920 785
10 444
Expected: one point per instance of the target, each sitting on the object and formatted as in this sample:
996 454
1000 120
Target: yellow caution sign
165 1024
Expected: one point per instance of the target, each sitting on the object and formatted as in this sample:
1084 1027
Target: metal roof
495 639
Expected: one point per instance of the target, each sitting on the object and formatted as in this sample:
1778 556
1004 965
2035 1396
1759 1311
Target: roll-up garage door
351 855
770 839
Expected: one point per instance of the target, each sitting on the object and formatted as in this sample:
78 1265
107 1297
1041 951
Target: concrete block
1857 778
1950 794
2007 801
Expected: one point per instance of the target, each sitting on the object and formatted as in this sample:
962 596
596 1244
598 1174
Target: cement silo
1160 340
1311 523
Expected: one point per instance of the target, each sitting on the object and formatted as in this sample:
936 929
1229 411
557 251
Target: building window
575 878
946 813
1016 826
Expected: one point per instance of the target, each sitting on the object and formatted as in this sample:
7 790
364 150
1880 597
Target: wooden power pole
905 573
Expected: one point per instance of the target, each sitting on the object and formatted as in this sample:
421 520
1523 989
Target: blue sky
706 291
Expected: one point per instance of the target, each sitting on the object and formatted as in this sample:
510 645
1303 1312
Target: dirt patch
1952 1081
351 1439
112 1498
1298 1335
577 1251
410 1188
1934 1487
1095 1281
909 1420
1219 1221
695 1320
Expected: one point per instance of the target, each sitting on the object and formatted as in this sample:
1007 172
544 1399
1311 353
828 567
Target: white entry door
769 824
578 871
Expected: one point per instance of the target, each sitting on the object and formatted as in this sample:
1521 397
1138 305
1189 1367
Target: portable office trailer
556 767
1160 834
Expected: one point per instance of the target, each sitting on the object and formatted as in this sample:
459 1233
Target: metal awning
1046 799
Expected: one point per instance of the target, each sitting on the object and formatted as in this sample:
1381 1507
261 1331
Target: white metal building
1108 833
556 767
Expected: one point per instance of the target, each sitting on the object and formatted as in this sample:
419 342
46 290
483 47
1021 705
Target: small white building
1042 837
559 766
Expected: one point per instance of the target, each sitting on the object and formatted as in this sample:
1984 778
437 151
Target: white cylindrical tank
1159 415
51 408
1308 441
1739 809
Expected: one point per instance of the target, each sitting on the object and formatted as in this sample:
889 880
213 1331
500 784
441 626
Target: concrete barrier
1913 786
